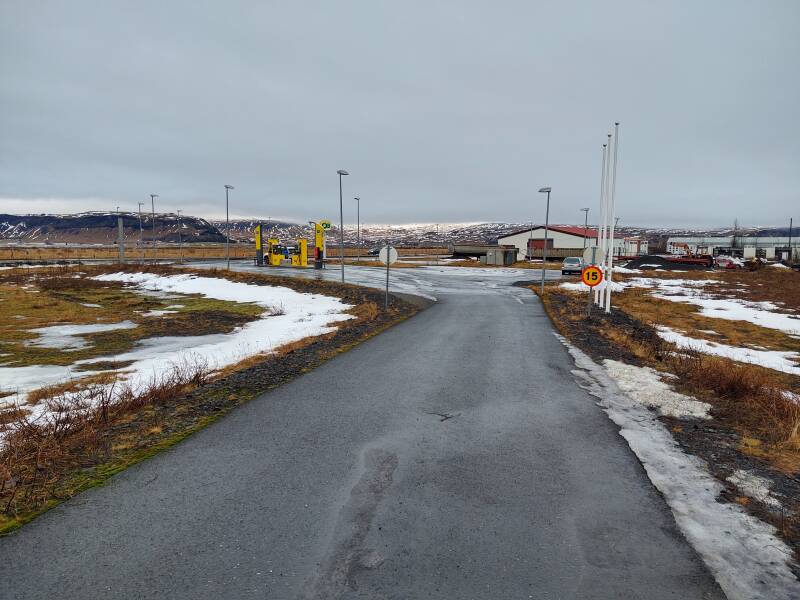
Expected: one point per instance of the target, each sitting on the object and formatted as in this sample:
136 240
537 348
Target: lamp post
141 236
358 225
155 244
545 190
180 239
227 228
341 172
585 225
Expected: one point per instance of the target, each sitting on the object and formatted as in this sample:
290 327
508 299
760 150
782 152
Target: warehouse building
770 248
566 240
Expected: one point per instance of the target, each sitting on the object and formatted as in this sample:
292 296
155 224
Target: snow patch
68 337
771 359
644 385
745 556
754 486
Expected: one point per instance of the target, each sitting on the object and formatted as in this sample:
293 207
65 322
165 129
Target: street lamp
227 228
341 172
585 226
358 225
155 244
180 239
141 236
545 190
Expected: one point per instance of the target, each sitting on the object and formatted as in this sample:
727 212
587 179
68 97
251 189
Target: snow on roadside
754 486
579 286
771 359
652 392
303 315
743 553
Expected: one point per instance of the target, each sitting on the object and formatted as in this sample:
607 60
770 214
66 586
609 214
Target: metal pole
544 246
791 254
227 230
388 256
585 225
155 243
600 223
180 239
141 236
589 295
358 225
341 228
611 214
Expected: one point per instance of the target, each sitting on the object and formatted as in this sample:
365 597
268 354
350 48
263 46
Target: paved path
452 456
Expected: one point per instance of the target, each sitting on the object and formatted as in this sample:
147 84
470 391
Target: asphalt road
452 456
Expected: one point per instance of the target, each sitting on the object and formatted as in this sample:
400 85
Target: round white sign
591 256
388 255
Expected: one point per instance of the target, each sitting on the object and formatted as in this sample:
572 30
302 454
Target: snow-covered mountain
101 228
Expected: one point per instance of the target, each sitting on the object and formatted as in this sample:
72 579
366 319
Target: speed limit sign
592 276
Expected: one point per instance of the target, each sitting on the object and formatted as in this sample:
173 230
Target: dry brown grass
70 387
37 453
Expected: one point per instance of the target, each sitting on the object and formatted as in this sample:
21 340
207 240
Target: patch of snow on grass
68 337
771 359
754 486
304 315
644 385
745 556
779 266
579 286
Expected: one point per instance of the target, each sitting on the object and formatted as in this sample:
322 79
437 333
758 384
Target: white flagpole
604 266
612 222
602 217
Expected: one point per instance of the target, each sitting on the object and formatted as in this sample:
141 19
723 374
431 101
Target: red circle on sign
592 276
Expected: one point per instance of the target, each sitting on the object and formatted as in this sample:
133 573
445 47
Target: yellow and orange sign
592 276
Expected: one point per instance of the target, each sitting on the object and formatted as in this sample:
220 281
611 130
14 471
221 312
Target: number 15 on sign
592 276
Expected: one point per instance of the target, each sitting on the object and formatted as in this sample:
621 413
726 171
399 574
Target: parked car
572 265
374 251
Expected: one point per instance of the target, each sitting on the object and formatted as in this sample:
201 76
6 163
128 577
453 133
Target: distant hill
101 228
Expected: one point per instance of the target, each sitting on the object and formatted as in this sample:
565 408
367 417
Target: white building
566 240
746 247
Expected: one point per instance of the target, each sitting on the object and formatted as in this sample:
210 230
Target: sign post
591 274
388 256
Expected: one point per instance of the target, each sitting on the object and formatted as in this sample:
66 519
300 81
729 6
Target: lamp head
342 172
545 190
228 187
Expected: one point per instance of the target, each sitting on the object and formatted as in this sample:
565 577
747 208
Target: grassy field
91 435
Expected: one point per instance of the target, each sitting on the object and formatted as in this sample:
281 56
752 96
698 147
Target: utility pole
141 236
227 228
791 254
180 239
358 224
545 190
155 244
585 225
340 173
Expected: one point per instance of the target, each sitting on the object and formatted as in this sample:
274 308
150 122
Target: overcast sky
441 111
